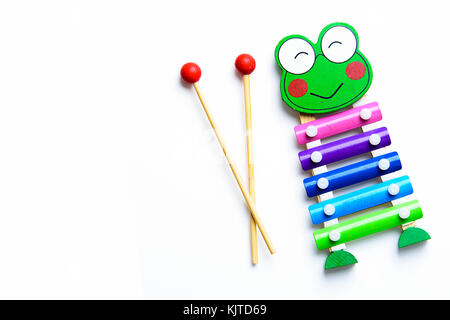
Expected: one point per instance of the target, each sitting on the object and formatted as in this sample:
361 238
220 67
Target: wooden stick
305 118
236 174
250 163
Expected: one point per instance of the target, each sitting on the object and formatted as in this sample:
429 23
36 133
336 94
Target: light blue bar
360 199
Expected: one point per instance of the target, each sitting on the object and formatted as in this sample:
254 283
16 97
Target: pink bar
337 123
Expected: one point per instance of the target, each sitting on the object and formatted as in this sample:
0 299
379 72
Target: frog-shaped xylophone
325 77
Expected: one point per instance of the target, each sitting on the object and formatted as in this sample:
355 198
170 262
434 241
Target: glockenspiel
333 76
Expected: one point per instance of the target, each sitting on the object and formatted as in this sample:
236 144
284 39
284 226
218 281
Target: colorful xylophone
328 76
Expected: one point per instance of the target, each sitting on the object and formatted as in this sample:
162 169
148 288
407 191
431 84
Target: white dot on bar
316 157
404 213
365 114
384 164
334 235
322 183
311 131
374 139
393 189
329 209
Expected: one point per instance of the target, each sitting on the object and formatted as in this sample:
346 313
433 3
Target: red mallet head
245 63
191 72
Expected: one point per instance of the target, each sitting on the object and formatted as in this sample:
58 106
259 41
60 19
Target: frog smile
316 95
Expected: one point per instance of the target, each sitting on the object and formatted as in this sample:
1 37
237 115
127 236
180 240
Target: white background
112 184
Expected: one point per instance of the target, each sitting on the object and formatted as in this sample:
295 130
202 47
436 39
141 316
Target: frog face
326 76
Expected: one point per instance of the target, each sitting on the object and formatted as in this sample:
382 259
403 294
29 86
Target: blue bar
360 199
351 174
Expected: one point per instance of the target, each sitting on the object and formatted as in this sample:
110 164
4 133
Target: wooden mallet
191 73
245 64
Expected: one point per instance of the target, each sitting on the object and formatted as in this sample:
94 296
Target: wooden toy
327 76
191 73
245 64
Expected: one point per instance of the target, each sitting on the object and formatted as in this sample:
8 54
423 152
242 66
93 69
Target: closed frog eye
296 55
339 44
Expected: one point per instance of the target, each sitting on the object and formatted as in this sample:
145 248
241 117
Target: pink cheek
355 70
298 88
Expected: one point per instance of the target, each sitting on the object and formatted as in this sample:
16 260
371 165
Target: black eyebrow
299 54
334 43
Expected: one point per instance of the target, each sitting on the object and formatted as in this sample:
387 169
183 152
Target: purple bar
344 148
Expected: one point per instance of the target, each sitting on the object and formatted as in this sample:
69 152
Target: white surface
384 164
393 189
295 48
342 52
323 183
112 184
338 247
334 235
311 131
374 139
329 209
365 114
316 156
404 213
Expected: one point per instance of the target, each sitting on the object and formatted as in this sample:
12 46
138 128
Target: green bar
367 224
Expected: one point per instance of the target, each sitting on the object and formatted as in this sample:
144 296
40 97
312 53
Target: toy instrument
332 76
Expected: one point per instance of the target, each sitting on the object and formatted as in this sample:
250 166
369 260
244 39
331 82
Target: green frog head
326 76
